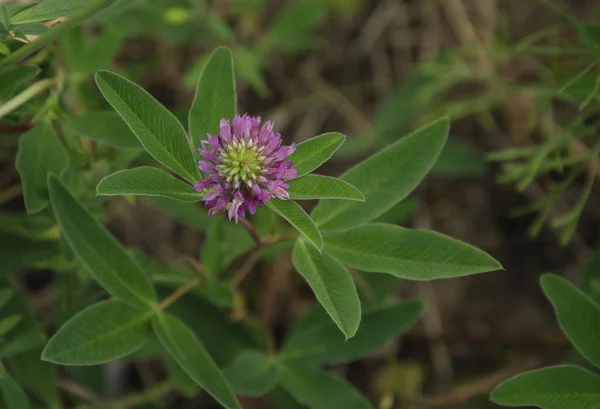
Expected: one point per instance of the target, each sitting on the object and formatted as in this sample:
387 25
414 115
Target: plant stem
92 8
250 229
177 294
25 96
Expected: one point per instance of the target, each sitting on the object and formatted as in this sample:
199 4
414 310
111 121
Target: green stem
92 8
25 96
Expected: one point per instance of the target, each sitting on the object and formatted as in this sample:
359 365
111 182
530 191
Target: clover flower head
244 167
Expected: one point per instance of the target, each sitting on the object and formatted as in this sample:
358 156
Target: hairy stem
177 294
25 96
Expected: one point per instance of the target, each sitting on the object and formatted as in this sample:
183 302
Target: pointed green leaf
215 96
5 16
409 254
385 178
321 390
332 284
184 347
182 381
5 296
48 10
99 251
322 343
13 77
558 387
8 323
253 374
312 153
12 394
577 314
147 181
159 131
293 213
100 333
322 187
103 126
40 153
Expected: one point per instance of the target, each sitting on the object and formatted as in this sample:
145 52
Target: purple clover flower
244 167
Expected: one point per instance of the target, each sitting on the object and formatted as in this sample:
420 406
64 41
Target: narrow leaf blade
312 153
555 387
577 315
293 213
321 390
385 178
332 284
48 10
184 347
99 251
158 130
253 374
12 394
323 187
215 96
100 333
104 126
40 153
409 254
147 181
322 343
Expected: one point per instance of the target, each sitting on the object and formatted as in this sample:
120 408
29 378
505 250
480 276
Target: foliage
89 144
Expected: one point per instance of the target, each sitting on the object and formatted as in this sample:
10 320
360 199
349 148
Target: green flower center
241 162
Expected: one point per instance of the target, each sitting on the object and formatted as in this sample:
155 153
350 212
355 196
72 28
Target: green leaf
321 390
248 65
158 130
8 323
332 284
17 252
13 77
459 159
385 178
222 338
409 254
401 212
5 16
5 296
577 314
557 387
48 10
33 28
40 154
322 343
322 187
312 153
293 213
147 181
22 349
215 96
184 347
103 126
182 381
4 50
99 251
293 30
252 374
100 333
12 394
188 213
